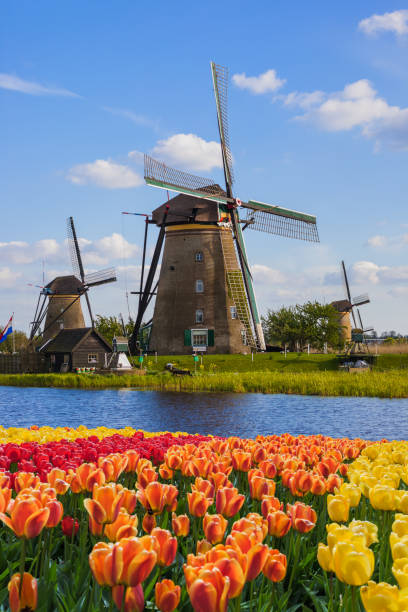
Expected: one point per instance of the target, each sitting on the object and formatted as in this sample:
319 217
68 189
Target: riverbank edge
390 384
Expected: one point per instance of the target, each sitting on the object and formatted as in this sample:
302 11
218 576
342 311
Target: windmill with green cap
205 294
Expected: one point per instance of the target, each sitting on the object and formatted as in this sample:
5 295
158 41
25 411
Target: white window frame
199 283
199 332
244 336
199 318
233 311
92 357
199 257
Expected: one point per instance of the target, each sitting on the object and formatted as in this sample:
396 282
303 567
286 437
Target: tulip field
127 520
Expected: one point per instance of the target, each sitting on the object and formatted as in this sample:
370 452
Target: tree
112 326
20 342
311 323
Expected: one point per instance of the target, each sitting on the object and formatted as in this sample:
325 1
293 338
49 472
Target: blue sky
318 113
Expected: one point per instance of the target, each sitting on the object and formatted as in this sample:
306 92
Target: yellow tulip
340 533
381 597
401 498
367 482
369 529
352 492
400 525
338 507
399 546
353 565
324 557
382 497
400 572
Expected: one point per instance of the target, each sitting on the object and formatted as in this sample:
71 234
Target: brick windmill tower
205 295
59 302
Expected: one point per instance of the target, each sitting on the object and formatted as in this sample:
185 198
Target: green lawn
266 362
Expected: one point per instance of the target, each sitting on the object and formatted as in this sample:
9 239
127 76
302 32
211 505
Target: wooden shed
77 348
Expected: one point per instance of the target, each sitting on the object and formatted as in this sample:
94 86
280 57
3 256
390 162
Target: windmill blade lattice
158 174
74 250
100 278
220 82
281 225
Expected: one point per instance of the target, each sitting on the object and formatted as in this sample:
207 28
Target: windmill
205 294
354 336
59 302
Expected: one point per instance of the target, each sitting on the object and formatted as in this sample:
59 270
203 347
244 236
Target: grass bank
391 384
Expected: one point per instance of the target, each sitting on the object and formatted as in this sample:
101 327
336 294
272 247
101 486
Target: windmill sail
282 222
158 174
74 251
100 278
220 83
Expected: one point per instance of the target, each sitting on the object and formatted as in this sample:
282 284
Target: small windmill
205 279
59 301
354 337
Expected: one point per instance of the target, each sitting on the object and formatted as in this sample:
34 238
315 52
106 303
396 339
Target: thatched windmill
205 295
59 302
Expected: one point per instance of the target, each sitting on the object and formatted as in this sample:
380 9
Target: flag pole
14 339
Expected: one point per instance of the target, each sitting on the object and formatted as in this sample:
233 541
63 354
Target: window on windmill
199 316
92 358
61 323
233 310
199 256
199 337
244 336
199 286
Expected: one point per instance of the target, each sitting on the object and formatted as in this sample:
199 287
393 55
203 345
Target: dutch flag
7 330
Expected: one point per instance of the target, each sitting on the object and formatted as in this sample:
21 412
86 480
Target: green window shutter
210 337
187 337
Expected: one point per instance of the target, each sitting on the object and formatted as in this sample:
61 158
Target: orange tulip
203 486
139 558
303 517
241 460
209 593
144 464
180 524
203 546
244 540
269 468
167 546
170 498
275 566
25 480
333 481
106 563
56 512
5 497
228 501
173 460
129 500
57 479
79 482
214 526
165 472
259 486
167 595
134 598
148 523
256 558
152 497
147 475
132 460
219 480
125 526
113 465
269 504
279 523
105 503
24 598
318 485
27 517
235 571
198 504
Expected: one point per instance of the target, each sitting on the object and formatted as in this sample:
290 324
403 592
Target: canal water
224 414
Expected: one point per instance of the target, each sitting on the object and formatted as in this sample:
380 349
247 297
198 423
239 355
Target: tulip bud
214 526
275 566
167 595
180 524
68 526
24 597
148 523
338 508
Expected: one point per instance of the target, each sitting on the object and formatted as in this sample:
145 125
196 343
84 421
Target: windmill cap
342 305
65 285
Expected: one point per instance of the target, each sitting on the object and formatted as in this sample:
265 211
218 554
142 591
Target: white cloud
356 106
8 277
264 275
106 174
135 118
19 252
264 83
377 241
371 273
116 247
189 151
14 83
396 22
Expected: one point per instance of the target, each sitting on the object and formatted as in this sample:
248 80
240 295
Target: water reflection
216 413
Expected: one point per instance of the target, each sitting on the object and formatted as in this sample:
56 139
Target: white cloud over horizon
105 173
358 105
15 83
395 21
189 151
267 82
